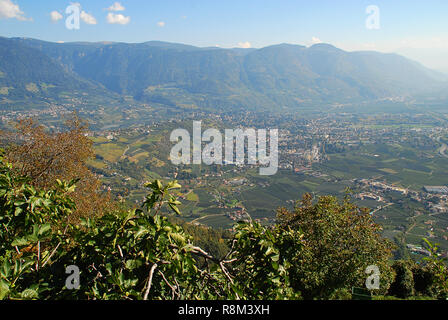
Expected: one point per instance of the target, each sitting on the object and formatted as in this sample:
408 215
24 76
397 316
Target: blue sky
416 28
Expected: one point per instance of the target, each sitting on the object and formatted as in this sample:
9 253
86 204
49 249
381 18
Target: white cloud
87 18
161 24
116 7
244 45
10 10
315 40
114 18
55 16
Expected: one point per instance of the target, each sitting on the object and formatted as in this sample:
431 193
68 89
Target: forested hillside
26 72
286 75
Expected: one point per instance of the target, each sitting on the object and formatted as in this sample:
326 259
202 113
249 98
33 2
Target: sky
415 28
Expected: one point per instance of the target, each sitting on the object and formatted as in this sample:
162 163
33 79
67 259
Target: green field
132 158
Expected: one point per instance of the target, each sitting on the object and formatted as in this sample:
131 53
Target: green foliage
436 264
424 281
403 285
117 253
160 195
214 241
124 255
30 232
136 255
265 261
340 242
427 279
341 294
319 251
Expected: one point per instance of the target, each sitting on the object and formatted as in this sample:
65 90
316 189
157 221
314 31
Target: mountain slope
26 72
285 75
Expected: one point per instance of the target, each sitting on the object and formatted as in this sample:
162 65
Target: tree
132 254
426 278
436 266
45 156
340 241
264 261
318 251
31 221
403 285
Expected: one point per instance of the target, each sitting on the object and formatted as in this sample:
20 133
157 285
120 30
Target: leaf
4 289
17 266
269 250
178 238
141 231
44 229
6 269
20 242
29 294
133 264
174 208
174 185
276 280
18 211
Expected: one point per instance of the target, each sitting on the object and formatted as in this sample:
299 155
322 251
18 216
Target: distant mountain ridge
178 74
29 73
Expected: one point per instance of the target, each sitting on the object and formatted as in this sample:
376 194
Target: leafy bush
340 241
31 224
427 279
45 156
132 254
318 251
265 261
438 271
403 285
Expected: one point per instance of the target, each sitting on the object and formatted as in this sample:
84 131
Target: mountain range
172 74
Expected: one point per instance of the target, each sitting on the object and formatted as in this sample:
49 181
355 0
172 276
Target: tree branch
173 289
148 288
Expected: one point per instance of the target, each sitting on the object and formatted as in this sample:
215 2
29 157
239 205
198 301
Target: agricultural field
218 196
